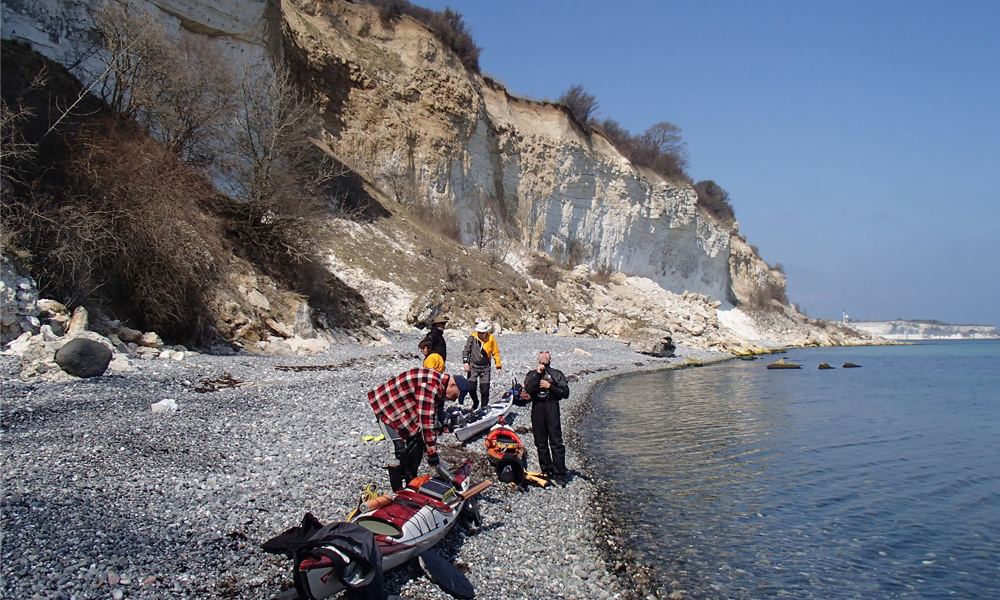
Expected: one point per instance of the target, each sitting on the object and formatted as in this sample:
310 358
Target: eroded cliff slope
425 129
423 133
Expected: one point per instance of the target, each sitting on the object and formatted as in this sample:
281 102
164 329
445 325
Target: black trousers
409 453
547 428
482 375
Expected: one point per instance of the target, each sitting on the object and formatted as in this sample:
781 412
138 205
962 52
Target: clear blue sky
859 140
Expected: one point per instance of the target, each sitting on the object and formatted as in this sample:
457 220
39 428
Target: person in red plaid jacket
405 407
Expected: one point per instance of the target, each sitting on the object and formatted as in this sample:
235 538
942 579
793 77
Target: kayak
507 453
405 523
502 441
472 424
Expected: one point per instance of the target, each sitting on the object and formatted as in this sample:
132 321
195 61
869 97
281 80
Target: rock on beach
96 484
83 358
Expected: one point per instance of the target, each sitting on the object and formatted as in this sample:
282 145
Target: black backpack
516 391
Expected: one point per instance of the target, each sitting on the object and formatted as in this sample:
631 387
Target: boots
396 477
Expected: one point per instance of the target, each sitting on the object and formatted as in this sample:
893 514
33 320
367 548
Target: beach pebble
191 497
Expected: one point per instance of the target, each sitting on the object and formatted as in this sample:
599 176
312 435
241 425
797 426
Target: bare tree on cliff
489 233
582 105
662 149
277 171
180 92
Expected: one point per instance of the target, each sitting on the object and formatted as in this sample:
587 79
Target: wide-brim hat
482 327
440 320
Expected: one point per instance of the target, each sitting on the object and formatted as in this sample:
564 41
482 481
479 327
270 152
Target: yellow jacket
478 352
434 361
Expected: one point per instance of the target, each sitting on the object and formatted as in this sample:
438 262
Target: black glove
433 460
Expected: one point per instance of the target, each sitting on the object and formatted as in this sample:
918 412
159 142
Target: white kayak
474 423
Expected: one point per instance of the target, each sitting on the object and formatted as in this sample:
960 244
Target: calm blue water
878 482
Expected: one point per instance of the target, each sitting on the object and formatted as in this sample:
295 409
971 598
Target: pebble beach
104 498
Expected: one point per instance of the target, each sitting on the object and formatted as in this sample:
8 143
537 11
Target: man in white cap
479 348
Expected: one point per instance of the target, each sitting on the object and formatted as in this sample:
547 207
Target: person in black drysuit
547 386
436 337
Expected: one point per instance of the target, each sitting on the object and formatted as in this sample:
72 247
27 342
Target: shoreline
615 517
101 495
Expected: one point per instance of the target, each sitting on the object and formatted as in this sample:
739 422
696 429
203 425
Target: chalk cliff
405 113
422 126
402 111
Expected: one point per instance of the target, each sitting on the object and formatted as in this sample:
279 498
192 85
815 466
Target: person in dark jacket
547 386
436 336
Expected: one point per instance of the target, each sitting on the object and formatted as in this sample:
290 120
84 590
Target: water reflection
812 484
691 437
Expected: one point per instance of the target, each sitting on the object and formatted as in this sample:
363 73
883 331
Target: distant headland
902 329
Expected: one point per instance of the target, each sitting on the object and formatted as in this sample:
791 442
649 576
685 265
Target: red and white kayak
405 523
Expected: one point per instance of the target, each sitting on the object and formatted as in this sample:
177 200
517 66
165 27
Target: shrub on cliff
659 149
447 26
582 105
118 223
136 228
715 200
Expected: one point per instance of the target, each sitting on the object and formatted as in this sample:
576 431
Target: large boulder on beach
83 358
661 348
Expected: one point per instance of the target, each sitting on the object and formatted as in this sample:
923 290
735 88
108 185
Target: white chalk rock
167 405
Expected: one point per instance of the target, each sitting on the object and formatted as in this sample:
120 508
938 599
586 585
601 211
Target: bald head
544 360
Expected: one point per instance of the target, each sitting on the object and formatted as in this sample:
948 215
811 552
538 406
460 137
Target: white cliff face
573 190
61 30
427 129
57 29
920 330
403 112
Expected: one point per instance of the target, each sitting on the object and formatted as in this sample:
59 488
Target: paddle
446 575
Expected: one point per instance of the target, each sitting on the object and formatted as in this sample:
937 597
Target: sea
883 481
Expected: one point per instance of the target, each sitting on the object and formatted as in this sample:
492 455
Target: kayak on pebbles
105 497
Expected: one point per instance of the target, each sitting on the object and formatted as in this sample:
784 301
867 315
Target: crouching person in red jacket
405 407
